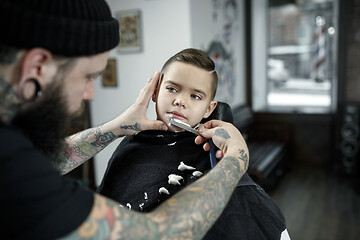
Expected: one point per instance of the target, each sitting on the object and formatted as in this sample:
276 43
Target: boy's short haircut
197 58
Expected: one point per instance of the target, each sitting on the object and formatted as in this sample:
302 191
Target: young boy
171 160
185 91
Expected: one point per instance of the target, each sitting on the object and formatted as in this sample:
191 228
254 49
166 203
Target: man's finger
219 154
155 125
199 140
147 92
206 146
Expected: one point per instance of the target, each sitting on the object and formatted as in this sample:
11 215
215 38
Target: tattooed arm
84 145
189 214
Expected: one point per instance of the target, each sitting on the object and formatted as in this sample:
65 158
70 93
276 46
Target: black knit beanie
64 27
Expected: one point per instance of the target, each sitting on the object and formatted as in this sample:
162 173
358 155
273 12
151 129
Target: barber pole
320 53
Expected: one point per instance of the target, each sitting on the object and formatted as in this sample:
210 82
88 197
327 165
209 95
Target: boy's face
184 93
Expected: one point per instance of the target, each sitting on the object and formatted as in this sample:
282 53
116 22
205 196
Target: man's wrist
121 128
241 154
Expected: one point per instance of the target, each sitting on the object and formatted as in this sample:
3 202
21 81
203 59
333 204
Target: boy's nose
179 102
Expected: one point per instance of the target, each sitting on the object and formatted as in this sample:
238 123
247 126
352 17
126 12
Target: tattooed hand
227 138
134 119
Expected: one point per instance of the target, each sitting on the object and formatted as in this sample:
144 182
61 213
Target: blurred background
287 68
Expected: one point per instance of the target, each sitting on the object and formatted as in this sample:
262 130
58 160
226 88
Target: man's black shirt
36 202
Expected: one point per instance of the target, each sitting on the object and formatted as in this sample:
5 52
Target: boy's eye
196 97
171 89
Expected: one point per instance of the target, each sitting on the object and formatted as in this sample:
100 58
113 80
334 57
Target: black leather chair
221 112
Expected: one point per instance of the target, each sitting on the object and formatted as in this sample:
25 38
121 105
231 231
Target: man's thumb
158 125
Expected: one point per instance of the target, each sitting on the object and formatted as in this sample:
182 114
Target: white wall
208 21
168 27
166 30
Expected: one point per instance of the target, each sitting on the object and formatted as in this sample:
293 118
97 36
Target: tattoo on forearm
84 150
190 213
102 140
65 163
135 127
222 133
190 218
81 150
244 157
84 135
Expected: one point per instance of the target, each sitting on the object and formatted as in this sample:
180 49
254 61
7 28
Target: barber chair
222 112
265 155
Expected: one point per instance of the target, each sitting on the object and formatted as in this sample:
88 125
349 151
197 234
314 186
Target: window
300 42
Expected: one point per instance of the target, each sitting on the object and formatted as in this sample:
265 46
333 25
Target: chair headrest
222 112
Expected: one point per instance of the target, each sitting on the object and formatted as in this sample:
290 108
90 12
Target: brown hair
197 58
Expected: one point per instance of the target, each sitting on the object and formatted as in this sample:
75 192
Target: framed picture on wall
130 31
109 78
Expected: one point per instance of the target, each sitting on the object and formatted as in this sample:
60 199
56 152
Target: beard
46 122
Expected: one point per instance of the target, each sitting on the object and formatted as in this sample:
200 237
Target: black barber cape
35 201
142 163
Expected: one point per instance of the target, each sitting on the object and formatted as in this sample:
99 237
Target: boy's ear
156 92
210 108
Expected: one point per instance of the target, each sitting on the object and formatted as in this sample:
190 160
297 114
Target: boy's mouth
177 115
